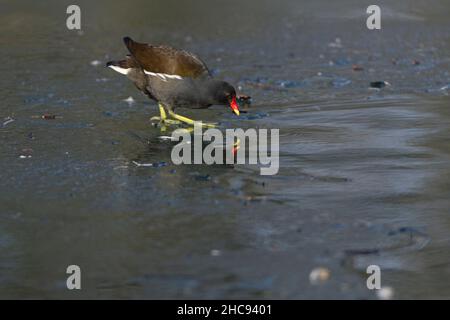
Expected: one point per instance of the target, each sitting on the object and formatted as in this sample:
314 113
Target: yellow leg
163 116
189 121
162 112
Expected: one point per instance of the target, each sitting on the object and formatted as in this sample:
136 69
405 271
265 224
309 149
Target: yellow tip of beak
236 111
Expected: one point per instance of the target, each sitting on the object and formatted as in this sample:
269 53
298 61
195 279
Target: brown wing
168 60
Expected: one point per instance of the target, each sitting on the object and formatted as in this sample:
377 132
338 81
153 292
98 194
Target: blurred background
364 172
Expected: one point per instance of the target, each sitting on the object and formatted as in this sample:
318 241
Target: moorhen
174 78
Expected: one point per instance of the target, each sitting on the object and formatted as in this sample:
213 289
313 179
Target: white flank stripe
163 76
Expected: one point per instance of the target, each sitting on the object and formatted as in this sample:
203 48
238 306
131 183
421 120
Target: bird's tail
128 63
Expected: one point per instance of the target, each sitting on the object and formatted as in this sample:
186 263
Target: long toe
172 122
209 124
157 119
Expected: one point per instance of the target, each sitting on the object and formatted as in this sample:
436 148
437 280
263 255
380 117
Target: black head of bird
223 93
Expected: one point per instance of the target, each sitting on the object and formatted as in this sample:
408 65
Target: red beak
234 106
